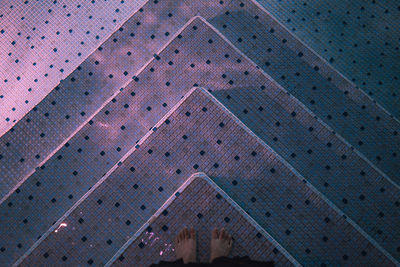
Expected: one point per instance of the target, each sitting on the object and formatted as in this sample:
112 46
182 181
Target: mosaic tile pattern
359 38
331 97
244 95
317 169
271 193
71 104
205 206
42 43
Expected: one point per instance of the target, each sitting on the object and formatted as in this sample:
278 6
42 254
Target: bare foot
221 244
185 245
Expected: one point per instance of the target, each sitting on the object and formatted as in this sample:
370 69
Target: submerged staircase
210 115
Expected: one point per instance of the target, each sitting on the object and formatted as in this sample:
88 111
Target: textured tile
360 198
263 185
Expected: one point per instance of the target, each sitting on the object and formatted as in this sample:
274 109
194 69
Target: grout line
315 190
360 154
203 176
325 62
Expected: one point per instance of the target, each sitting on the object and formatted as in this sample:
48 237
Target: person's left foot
185 245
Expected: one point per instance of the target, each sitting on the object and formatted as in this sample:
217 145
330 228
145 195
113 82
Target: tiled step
292 136
201 204
274 49
265 186
359 38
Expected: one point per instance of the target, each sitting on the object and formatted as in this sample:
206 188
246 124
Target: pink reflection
167 249
59 227
151 236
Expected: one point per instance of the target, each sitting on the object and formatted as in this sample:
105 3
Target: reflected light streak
151 235
59 227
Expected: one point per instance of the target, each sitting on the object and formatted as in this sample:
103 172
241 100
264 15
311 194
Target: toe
227 236
182 234
192 233
215 233
222 234
186 233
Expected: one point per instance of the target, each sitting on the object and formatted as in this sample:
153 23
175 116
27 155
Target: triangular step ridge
252 30
205 206
240 86
202 135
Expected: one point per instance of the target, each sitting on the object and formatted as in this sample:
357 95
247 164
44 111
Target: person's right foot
221 244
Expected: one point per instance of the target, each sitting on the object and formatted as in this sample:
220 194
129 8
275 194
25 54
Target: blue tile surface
290 124
314 224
